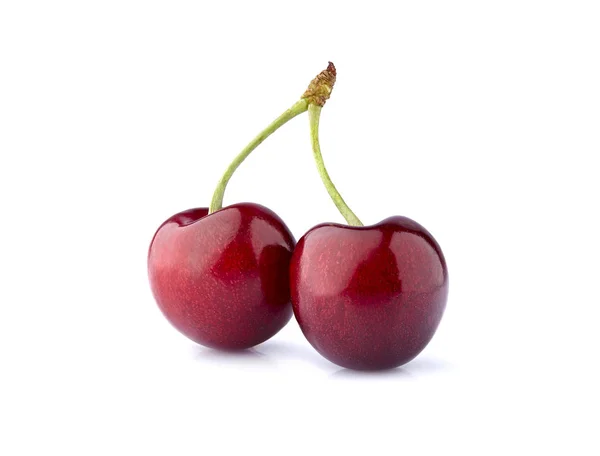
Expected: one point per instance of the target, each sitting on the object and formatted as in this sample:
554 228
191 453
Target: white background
480 120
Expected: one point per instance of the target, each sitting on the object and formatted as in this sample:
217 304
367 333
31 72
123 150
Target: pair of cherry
365 297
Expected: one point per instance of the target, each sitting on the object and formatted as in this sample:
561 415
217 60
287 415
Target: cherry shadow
295 351
417 368
398 373
248 357
426 365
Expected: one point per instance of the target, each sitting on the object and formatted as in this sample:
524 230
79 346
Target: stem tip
320 88
331 68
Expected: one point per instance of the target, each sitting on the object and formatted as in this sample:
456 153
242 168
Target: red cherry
369 297
222 279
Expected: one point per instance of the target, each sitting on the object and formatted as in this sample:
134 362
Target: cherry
369 297
366 297
221 276
222 279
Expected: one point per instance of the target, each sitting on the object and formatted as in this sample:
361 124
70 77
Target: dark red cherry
369 297
223 279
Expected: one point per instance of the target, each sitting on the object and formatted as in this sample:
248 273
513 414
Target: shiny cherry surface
369 297
222 279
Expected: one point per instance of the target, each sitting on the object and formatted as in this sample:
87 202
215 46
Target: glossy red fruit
369 297
222 279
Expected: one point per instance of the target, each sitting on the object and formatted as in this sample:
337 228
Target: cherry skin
369 298
222 279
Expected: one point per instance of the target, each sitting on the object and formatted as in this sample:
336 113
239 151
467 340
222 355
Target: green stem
314 114
217 199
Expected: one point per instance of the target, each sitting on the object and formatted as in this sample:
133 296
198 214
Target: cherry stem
313 100
314 115
217 199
